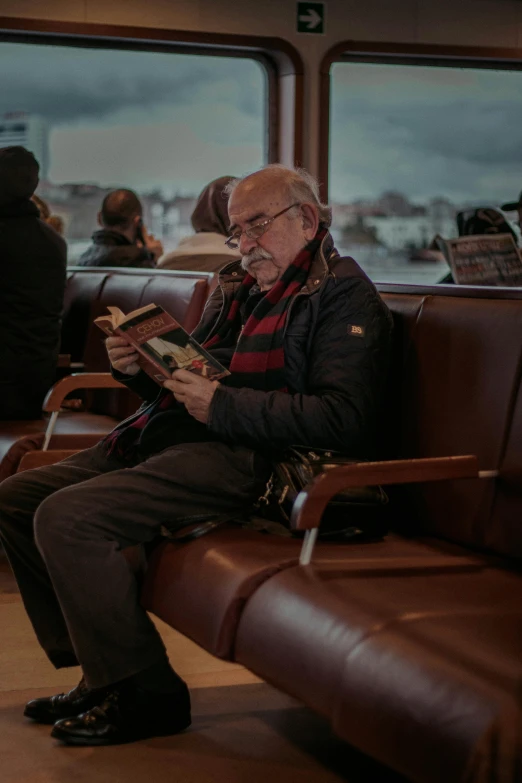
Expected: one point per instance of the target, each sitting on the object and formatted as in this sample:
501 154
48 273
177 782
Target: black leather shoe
127 714
65 705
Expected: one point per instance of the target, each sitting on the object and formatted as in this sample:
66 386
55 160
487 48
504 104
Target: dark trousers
64 527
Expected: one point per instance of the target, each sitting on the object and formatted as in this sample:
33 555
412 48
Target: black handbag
357 512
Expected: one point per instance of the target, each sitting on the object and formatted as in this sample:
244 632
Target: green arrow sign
310 17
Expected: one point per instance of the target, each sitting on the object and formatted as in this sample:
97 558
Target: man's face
267 257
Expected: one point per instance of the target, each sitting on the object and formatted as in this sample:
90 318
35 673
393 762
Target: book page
120 317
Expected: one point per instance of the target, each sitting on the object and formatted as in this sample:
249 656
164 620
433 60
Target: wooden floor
243 730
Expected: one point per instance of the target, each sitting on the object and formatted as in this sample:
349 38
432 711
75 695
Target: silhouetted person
484 220
123 239
55 221
205 251
33 260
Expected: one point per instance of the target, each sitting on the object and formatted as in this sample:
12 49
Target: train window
160 122
410 147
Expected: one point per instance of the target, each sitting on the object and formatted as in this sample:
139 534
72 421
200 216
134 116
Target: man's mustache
256 254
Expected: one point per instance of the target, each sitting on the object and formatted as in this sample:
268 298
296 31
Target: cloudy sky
426 132
147 120
140 119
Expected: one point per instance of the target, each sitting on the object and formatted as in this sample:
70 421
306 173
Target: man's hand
194 391
122 355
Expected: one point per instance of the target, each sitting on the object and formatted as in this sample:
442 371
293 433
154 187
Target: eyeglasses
254 232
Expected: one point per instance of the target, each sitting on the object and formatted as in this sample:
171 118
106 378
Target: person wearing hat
205 251
33 261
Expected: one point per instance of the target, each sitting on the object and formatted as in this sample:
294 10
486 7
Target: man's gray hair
301 185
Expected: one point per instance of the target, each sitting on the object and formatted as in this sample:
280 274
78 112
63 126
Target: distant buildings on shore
390 221
394 222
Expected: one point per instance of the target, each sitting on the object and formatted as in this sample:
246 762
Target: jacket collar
105 236
234 274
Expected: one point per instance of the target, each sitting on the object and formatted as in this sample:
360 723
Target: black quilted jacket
336 344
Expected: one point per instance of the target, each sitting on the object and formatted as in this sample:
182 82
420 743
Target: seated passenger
205 251
484 220
123 239
43 207
32 259
55 221
306 338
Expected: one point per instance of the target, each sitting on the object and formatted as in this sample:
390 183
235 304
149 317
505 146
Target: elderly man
306 338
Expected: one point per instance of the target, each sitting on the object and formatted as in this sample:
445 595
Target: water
385 266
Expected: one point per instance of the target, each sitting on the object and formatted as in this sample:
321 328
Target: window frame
282 63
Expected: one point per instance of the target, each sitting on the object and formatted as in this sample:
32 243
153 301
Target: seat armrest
312 501
82 380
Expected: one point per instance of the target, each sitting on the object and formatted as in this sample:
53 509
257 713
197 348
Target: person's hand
152 244
122 355
194 391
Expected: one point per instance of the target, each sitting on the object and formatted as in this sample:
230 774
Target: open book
483 259
163 344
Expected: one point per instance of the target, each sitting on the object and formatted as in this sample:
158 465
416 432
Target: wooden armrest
311 502
82 380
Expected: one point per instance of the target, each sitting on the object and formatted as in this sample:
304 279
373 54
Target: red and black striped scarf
258 360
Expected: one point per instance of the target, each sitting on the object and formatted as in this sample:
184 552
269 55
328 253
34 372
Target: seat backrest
81 291
460 377
405 310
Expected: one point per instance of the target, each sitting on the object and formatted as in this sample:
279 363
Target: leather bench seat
423 692
402 660
202 587
411 647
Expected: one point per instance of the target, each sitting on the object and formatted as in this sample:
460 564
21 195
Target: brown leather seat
202 587
410 646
